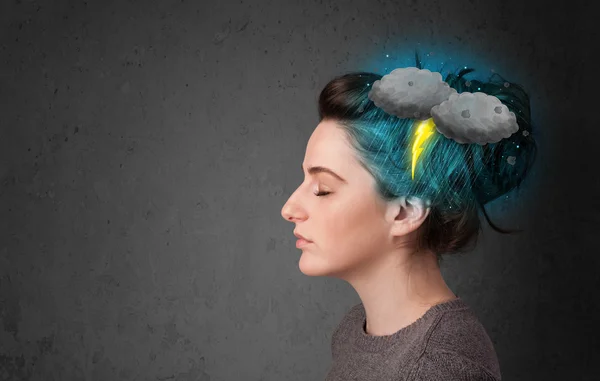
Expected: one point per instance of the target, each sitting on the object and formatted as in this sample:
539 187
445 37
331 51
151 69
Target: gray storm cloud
466 117
410 92
474 118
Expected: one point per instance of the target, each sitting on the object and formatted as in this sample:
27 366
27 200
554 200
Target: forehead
328 146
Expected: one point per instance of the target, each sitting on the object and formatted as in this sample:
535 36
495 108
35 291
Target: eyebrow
319 169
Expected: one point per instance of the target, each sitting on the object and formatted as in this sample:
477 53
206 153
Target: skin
358 237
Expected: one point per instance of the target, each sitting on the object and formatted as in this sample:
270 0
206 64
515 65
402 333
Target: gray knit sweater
447 343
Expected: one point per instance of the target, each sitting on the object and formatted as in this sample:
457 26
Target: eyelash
321 194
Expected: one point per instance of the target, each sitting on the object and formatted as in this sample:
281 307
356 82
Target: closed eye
321 194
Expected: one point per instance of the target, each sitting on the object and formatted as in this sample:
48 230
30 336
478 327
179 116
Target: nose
290 211
286 212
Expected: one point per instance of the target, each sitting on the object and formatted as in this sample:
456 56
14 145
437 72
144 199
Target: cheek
346 237
353 233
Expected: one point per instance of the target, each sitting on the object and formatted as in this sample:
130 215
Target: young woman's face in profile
344 219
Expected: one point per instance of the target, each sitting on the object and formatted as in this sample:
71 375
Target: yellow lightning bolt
422 133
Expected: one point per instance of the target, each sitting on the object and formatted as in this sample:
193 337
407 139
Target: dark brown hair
457 179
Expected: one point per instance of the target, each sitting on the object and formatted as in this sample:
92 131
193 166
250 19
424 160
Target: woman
385 196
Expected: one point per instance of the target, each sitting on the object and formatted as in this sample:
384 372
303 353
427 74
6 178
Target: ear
408 214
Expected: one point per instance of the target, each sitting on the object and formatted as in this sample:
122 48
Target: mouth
301 243
299 236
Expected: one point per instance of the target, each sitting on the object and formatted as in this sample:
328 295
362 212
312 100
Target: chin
314 265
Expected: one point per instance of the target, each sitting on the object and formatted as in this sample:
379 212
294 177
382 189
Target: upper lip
301 237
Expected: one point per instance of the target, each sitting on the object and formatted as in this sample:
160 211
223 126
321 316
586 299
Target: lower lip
301 243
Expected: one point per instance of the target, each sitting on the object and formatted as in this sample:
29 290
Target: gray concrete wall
148 147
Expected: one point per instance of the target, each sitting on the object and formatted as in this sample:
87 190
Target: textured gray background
148 148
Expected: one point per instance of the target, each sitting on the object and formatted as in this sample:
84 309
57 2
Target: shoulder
450 366
458 341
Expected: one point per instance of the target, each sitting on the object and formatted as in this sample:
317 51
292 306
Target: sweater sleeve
450 366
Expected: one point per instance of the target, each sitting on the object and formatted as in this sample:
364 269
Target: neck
395 295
